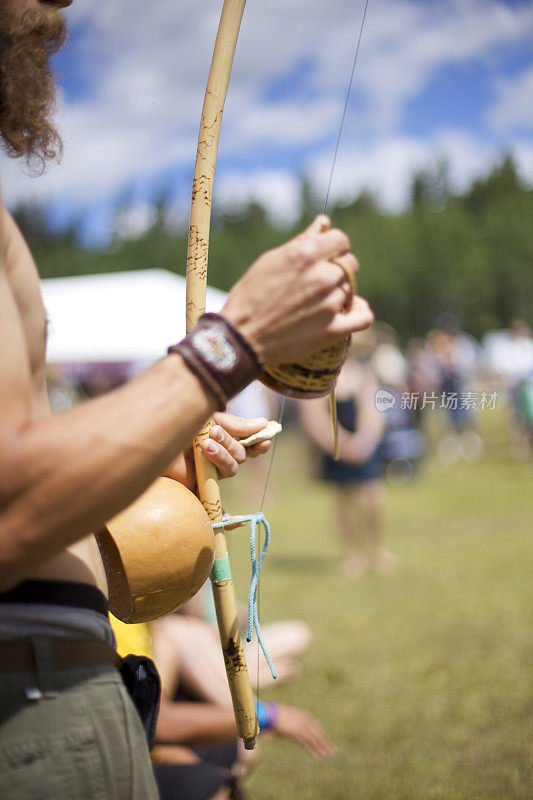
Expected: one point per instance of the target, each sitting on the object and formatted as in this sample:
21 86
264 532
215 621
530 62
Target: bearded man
68 726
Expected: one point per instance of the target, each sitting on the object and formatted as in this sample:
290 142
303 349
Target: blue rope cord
253 616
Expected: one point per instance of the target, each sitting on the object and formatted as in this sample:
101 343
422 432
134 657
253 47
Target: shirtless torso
23 315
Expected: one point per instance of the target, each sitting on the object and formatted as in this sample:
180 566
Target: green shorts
71 734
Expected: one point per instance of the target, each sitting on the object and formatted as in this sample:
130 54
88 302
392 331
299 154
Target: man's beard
27 88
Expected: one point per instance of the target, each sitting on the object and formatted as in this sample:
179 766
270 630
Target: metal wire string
324 209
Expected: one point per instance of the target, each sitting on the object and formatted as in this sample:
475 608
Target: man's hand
295 723
222 448
293 299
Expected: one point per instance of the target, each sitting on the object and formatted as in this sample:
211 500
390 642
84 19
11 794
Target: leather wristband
220 357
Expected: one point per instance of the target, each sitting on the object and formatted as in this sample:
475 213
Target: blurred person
207 773
356 476
423 374
521 423
193 633
523 427
196 752
403 444
509 358
63 476
457 357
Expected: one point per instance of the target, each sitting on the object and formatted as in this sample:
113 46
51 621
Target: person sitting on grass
196 754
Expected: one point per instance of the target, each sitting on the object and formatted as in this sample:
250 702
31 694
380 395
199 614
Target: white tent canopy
117 317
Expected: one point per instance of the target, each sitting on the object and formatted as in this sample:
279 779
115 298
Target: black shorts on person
202 780
344 473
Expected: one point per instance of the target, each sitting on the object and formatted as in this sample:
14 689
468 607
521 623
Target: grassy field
423 680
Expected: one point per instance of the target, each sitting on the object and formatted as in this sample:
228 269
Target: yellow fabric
132 638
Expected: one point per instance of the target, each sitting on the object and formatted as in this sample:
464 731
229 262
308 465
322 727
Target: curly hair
27 85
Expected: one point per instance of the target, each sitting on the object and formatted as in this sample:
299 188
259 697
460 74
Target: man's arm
62 477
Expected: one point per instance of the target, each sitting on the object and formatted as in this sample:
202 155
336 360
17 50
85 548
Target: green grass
423 680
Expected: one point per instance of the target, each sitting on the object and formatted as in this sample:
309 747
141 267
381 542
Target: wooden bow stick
228 623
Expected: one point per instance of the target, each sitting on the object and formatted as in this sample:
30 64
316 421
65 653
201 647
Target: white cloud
523 154
134 220
387 165
279 192
514 103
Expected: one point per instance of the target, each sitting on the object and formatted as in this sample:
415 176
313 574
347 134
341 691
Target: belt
19 654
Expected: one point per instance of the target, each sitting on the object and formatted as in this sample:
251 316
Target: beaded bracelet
267 715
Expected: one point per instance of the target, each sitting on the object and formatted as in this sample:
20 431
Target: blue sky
435 79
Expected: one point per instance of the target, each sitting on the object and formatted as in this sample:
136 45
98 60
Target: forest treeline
469 254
